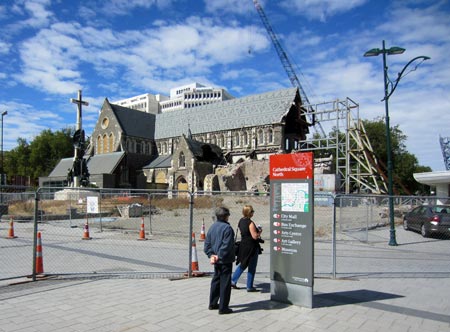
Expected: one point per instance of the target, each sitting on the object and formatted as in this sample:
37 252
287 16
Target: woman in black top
248 250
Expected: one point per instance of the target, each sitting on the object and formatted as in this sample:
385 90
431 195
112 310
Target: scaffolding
356 165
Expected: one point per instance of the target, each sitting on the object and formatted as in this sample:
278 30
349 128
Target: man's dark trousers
221 286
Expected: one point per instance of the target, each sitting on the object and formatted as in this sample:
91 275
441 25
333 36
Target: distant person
219 247
249 249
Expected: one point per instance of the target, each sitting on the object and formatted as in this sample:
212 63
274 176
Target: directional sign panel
291 219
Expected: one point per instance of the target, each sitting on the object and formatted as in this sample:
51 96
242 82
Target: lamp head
395 50
373 52
390 51
4 113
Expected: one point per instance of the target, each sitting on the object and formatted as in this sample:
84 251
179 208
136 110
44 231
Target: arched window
214 139
237 140
245 138
111 143
224 141
105 144
260 137
99 144
181 160
138 147
270 136
220 143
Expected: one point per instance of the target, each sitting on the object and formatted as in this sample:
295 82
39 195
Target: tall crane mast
287 66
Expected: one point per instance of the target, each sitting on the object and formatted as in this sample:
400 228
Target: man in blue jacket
219 247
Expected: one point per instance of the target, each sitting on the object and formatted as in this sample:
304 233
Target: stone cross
79 103
79 149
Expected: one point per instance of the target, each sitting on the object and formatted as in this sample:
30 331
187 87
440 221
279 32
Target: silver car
428 220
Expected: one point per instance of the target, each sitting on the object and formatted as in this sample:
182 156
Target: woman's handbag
237 244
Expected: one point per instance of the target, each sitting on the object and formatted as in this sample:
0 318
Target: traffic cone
194 265
39 258
202 232
11 230
142 231
86 232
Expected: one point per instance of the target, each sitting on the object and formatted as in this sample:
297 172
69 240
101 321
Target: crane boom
287 64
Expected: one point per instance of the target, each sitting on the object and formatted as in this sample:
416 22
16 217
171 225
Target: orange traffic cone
39 258
86 232
202 232
142 231
194 264
11 230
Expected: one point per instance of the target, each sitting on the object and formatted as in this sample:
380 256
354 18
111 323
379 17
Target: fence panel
235 201
363 234
111 232
116 220
16 234
323 233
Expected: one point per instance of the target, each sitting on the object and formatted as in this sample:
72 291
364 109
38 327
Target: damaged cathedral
219 143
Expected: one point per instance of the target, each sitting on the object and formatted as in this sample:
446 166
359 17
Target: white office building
186 96
147 103
193 95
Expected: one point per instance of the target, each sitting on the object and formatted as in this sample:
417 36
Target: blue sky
49 49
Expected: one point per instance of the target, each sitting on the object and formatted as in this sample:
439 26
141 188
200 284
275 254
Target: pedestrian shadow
322 300
259 305
263 304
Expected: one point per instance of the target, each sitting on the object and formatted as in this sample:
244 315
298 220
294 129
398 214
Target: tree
39 157
404 163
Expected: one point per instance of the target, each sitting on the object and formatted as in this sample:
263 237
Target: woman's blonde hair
247 211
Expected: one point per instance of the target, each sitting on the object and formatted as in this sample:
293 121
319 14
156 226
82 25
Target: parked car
428 220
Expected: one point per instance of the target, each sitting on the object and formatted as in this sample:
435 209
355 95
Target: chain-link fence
364 233
149 233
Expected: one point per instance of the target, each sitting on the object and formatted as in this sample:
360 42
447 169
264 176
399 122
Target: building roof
97 164
260 109
62 168
104 163
203 151
134 123
160 162
433 178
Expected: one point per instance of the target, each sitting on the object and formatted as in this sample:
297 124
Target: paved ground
368 304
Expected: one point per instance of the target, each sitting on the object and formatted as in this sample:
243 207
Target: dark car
428 220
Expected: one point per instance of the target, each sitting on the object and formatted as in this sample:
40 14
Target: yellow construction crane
288 67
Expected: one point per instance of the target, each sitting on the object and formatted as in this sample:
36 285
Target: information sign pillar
292 228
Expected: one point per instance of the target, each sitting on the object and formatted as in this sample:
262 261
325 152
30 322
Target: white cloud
36 10
53 59
228 6
123 7
37 120
50 62
4 47
418 24
321 9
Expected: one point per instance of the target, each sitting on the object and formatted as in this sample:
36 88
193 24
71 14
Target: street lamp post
2 177
390 51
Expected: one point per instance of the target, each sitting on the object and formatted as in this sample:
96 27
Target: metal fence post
149 199
191 230
35 229
333 241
